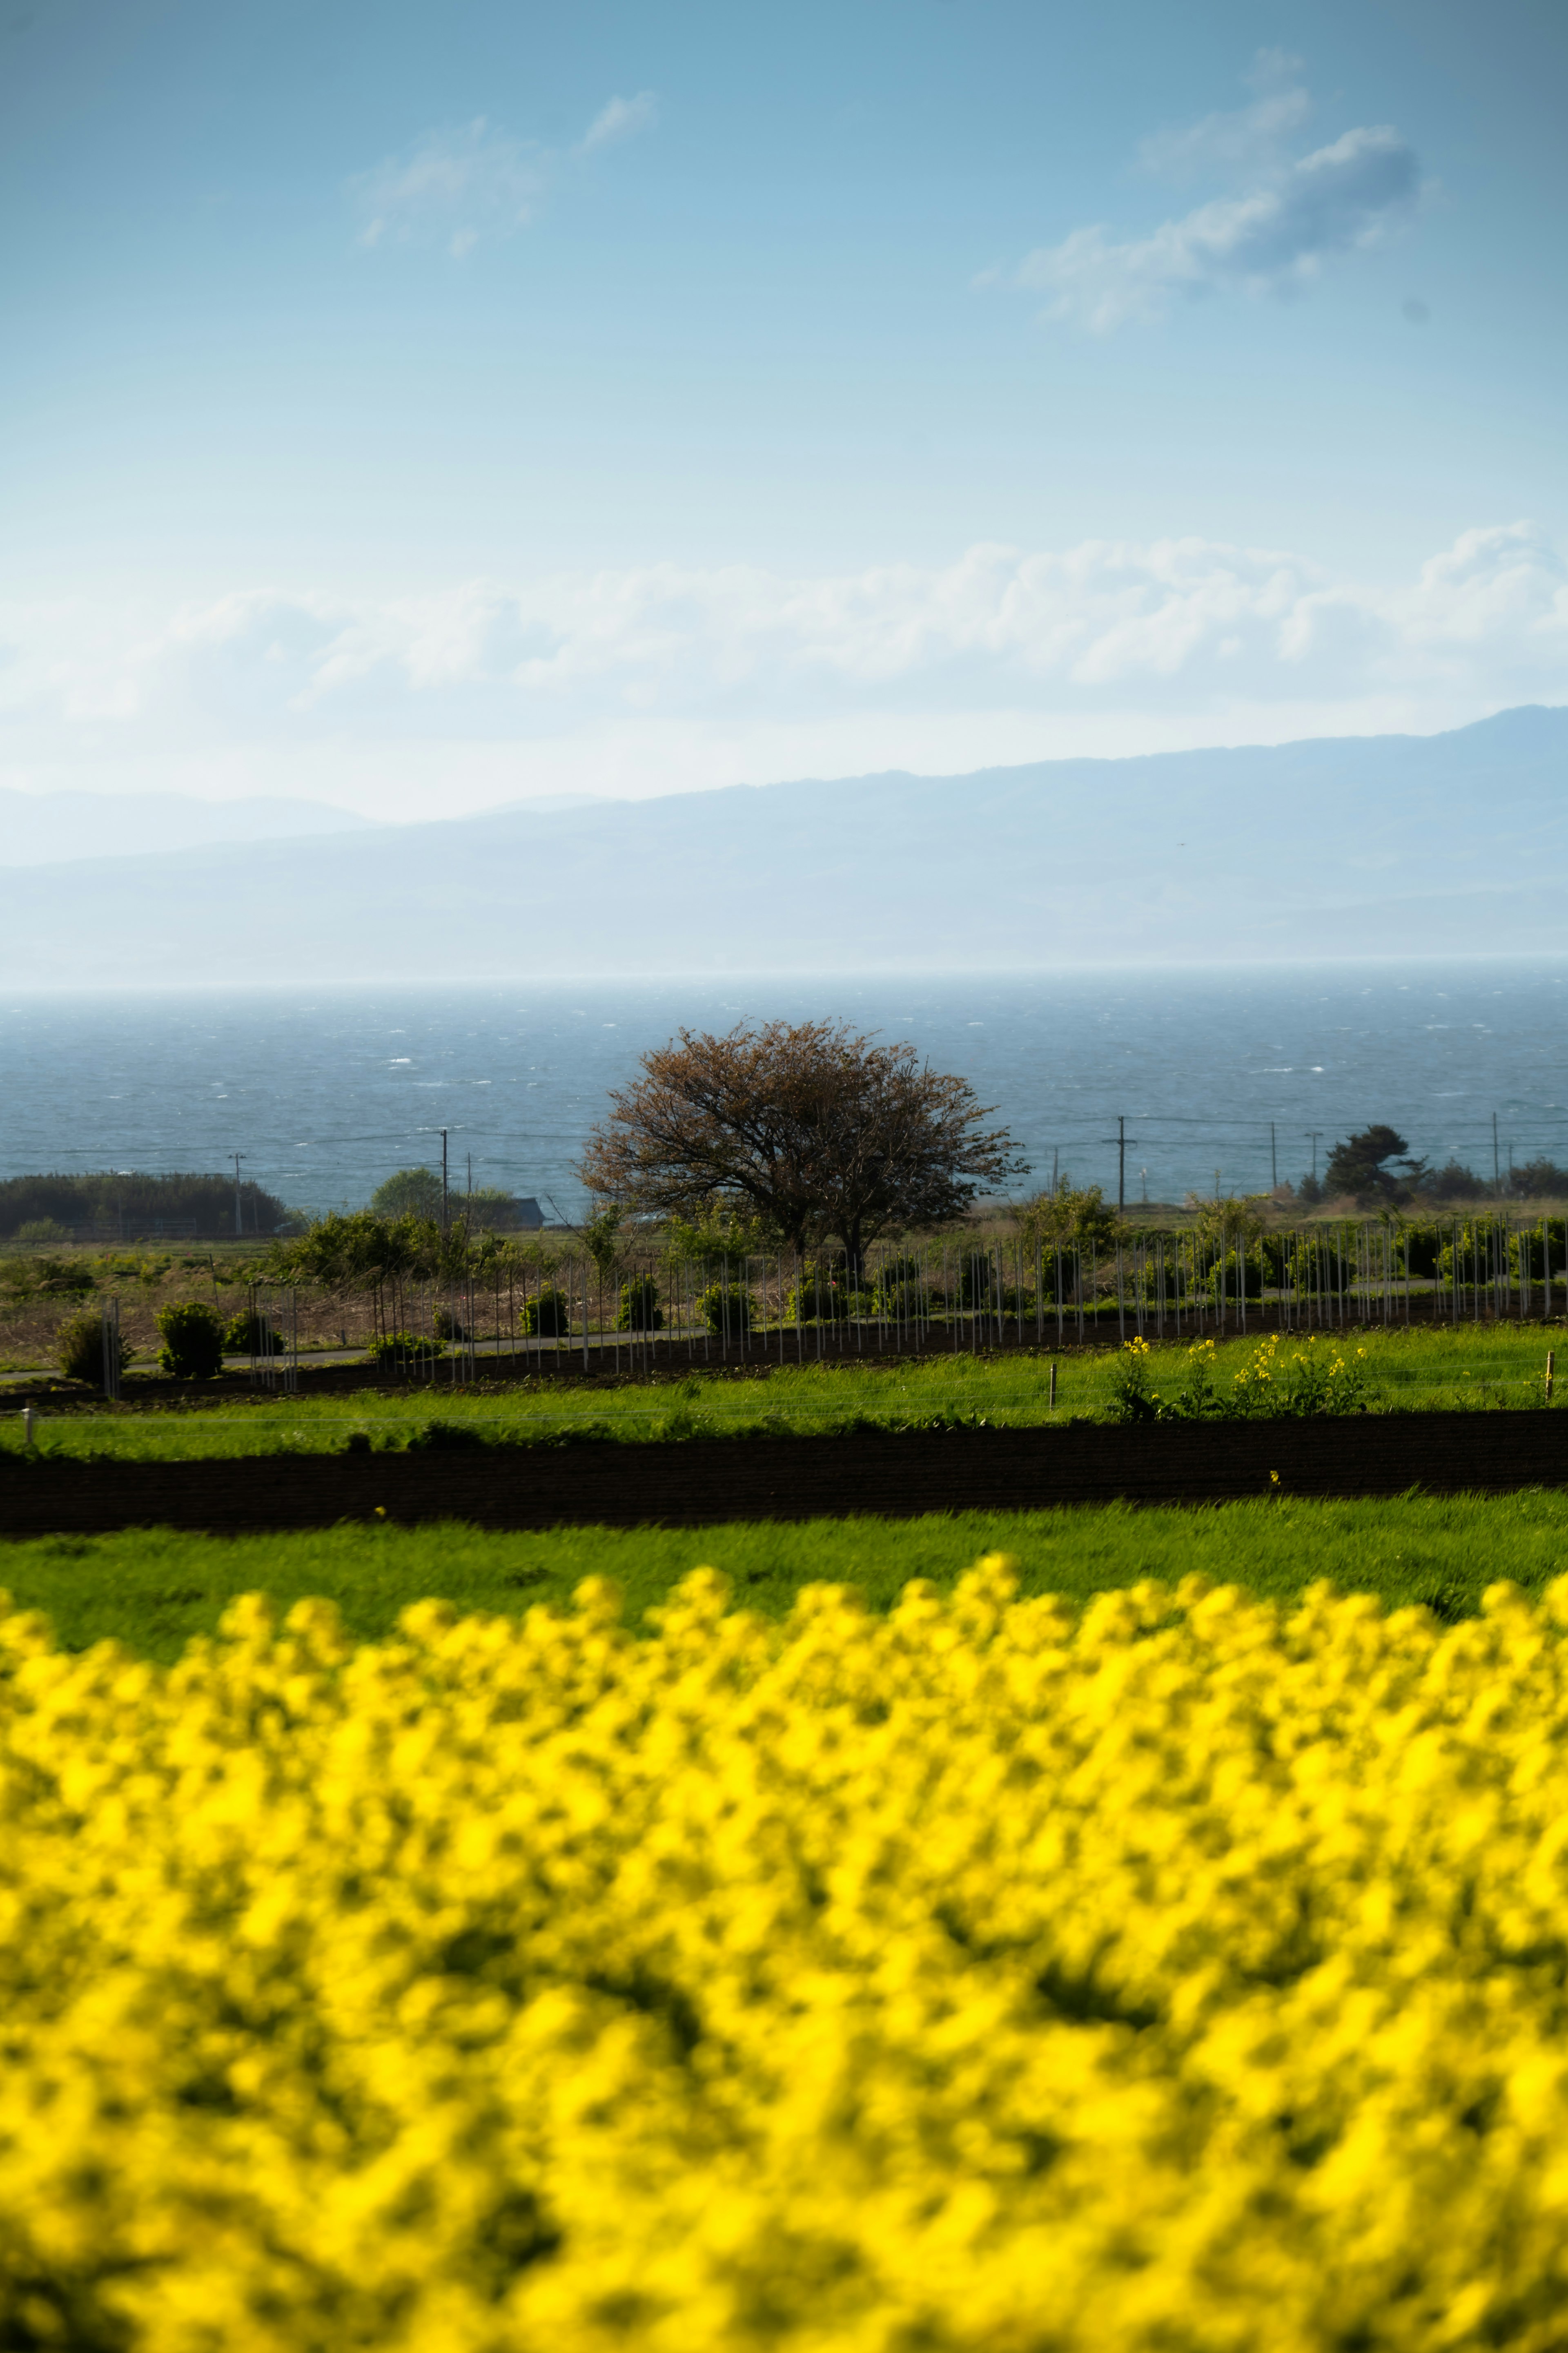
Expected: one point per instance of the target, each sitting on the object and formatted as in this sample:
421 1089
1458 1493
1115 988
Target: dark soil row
697 1482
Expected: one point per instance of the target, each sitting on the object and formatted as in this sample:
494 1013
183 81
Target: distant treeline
136 1206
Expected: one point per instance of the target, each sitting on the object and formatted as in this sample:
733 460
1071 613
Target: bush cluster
639 1310
249 1334
79 1343
193 1337
726 1309
547 1314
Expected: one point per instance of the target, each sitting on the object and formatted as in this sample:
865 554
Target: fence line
642 1311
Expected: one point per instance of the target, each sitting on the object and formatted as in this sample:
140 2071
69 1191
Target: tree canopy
813 1130
1364 1164
408 1193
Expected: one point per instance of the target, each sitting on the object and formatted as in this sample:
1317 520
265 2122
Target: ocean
1225 1076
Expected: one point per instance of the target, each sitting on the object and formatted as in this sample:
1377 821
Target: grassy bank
152 1589
1484 1367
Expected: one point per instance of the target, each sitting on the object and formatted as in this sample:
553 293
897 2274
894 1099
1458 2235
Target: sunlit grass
1488 1366
154 1589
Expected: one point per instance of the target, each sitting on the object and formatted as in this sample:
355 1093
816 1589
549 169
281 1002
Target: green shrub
401 1352
901 1290
639 1308
548 1316
1250 1273
252 1335
447 1326
726 1309
79 1341
192 1333
408 1193
43 1229
821 1296
976 1279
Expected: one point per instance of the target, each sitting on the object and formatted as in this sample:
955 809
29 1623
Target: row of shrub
195 1339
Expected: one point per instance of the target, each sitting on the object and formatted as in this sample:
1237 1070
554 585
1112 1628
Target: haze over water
325 1092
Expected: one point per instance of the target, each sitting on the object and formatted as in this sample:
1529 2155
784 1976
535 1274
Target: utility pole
1056 1155
239 1221
1497 1166
1314 1133
443 1180
1122 1164
1273 1158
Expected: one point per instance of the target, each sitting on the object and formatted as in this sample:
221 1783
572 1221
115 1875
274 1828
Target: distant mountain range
48 828
1452 844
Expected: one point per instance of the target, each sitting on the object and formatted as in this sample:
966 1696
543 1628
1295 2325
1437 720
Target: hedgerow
1189 1973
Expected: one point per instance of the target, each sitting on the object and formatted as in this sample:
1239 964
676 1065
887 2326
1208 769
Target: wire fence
635 1313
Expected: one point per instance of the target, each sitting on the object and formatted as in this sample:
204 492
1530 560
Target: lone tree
1364 1164
814 1131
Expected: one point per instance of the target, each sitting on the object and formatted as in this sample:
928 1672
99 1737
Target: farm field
1474 1367
153 1589
975 1971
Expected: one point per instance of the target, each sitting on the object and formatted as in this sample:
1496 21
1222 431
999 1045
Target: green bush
401 1352
902 1291
979 1292
43 1229
549 1315
192 1333
79 1341
821 1296
639 1308
1250 1273
447 1326
726 1309
408 1193
252 1335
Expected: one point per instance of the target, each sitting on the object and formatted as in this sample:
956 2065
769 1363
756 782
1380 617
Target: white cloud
665 677
623 118
1247 141
1284 217
451 187
454 187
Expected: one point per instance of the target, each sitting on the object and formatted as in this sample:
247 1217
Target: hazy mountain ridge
59 828
1407 845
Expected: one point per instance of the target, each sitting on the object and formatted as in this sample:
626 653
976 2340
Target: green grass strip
152 1589
1485 1367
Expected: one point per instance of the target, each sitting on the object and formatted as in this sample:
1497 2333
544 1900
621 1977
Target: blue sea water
1226 1072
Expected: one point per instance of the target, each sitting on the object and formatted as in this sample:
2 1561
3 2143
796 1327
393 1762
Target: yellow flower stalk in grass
1188 1974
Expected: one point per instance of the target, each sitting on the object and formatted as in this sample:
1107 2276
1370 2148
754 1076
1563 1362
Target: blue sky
423 408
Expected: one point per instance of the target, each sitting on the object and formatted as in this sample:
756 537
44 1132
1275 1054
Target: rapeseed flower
1186 1973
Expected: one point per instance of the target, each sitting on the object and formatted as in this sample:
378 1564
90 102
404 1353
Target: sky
423 410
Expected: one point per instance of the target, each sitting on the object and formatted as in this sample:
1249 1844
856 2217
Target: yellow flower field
1189 1974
